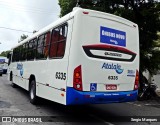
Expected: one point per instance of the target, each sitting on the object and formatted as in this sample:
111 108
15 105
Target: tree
5 53
146 13
34 31
66 6
22 38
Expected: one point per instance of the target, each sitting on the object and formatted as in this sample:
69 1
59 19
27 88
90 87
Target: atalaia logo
112 66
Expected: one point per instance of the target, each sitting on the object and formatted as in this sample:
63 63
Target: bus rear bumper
75 97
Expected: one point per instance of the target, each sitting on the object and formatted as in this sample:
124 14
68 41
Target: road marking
137 105
152 104
108 123
132 103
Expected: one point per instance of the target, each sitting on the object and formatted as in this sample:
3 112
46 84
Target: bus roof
100 14
76 11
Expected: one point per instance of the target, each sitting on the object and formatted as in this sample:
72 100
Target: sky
24 15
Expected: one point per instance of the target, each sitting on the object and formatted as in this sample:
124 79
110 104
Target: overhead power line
15 29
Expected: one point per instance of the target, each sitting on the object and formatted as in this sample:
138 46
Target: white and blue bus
85 57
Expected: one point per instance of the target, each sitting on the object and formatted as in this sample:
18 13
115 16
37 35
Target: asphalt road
14 102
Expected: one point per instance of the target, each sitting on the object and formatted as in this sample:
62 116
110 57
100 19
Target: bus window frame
63 24
28 49
49 31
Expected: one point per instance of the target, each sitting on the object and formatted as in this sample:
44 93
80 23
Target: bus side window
31 49
20 52
62 41
25 51
46 44
16 54
13 56
35 47
58 41
53 44
43 46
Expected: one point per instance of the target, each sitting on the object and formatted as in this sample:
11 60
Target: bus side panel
56 74
46 71
48 86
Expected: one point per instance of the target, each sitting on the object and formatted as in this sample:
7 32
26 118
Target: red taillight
85 12
77 78
136 83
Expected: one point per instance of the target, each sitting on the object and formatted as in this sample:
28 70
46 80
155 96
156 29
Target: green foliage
34 31
22 38
66 6
5 53
145 13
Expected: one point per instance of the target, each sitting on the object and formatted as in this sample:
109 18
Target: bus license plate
111 87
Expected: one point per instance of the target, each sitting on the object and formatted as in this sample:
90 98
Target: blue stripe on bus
78 97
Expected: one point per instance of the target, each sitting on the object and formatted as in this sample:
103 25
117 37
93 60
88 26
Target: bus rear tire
32 92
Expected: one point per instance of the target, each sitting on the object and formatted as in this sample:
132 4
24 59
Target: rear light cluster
85 12
77 78
136 83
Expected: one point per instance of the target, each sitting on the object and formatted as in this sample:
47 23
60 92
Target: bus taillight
85 12
77 78
136 80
